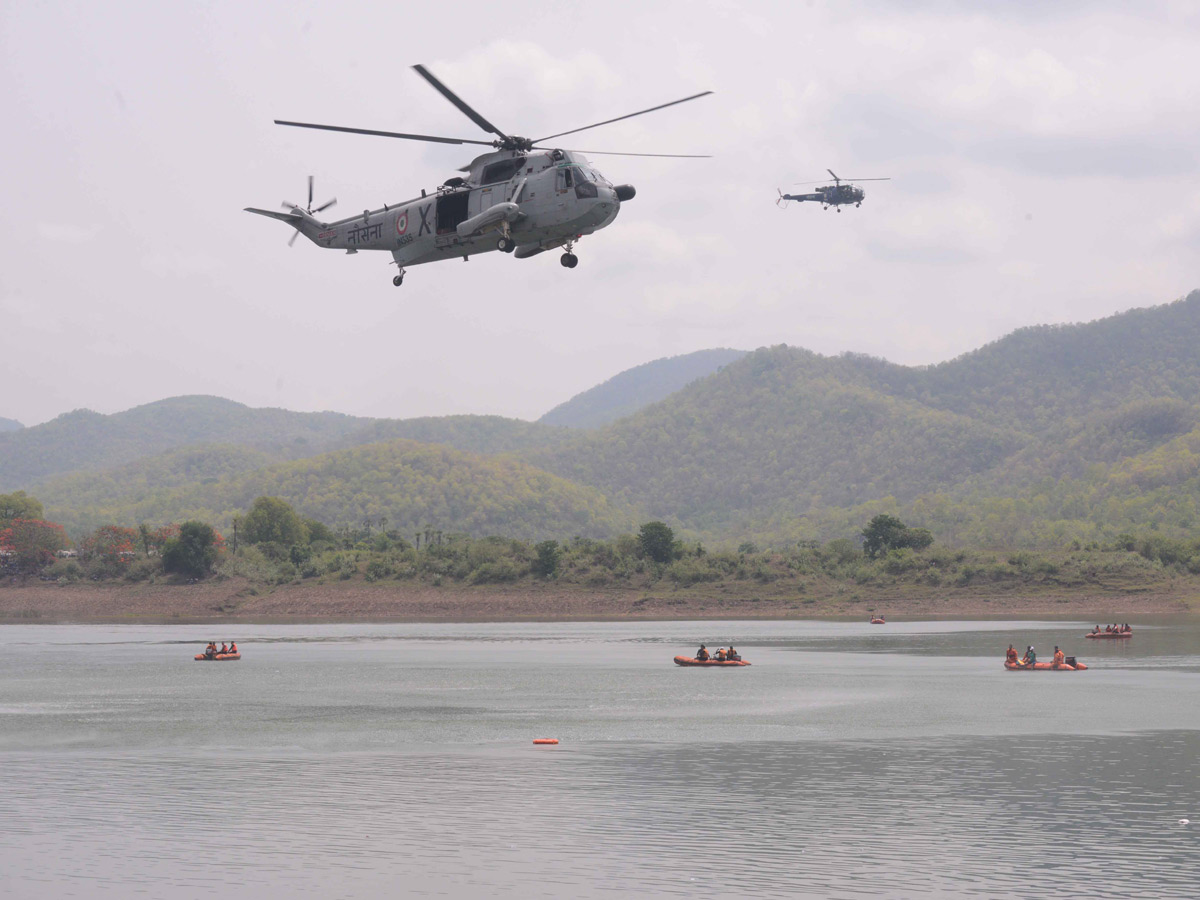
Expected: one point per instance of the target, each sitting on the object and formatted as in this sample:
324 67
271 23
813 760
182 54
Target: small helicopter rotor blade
292 239
324 206
458 101
288 205
393 134
629 116
617 153
310 187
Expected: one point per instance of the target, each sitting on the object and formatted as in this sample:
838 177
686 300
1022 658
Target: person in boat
720 654
1030 658
211 650
731 654
1060 658
1127 628
233 647
1010 655
224 649
702 654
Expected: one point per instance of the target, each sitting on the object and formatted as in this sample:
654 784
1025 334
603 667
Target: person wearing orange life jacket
211 650
1060 658
720 654
224 649
233 647
732 654
702 654
1010 655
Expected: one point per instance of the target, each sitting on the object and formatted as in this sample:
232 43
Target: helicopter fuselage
832 195
527 201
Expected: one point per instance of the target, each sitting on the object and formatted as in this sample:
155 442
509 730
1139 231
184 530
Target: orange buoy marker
545 740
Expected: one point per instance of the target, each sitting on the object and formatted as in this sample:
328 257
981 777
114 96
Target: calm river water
372 760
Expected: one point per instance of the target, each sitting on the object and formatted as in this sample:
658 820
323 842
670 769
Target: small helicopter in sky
837 194
520 198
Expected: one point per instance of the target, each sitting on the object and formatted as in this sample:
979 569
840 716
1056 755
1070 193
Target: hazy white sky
1043 157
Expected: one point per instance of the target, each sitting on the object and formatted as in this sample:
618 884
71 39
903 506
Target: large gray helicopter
521 199
838 194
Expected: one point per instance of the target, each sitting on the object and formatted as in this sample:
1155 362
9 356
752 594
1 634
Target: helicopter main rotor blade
831 172
619 118
866 179
617 153
458 101
310 187
324 206
392 134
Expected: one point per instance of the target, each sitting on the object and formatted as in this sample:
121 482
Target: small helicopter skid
522 198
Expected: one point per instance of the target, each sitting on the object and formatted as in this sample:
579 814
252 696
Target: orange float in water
545 740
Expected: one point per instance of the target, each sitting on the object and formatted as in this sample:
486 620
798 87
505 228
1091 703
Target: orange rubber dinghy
692 661
878 621
1044 667
220 657
545 740
1108 635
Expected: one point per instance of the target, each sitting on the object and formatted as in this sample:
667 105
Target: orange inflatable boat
1046 667
878 621
692 661
1108 635
220 657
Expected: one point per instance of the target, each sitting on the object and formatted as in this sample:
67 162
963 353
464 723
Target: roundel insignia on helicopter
402 223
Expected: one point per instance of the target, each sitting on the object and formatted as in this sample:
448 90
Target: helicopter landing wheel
839 209
569 260
857 205
398 280
506 245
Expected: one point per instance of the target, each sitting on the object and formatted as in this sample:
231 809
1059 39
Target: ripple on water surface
961 816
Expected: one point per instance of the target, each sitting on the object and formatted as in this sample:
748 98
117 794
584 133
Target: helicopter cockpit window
501 171
565 179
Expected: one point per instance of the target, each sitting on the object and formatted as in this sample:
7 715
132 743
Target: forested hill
9 425
636 388
88 441
412 486
783 431
472 434
777 433
1046 377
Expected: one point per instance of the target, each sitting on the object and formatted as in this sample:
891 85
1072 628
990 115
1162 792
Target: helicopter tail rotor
781 202
309 210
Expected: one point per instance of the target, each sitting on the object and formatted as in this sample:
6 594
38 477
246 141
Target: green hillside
87 441
634 389
774 432
411 485
471 434
1045 379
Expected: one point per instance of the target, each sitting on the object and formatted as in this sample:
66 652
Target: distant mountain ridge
634 389
1051 431
9 425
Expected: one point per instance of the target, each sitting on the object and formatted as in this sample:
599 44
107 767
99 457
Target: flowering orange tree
32 543
111 544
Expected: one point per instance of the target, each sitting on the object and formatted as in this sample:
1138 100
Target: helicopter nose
625 192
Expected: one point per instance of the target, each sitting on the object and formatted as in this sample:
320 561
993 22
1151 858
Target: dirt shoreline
235 600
